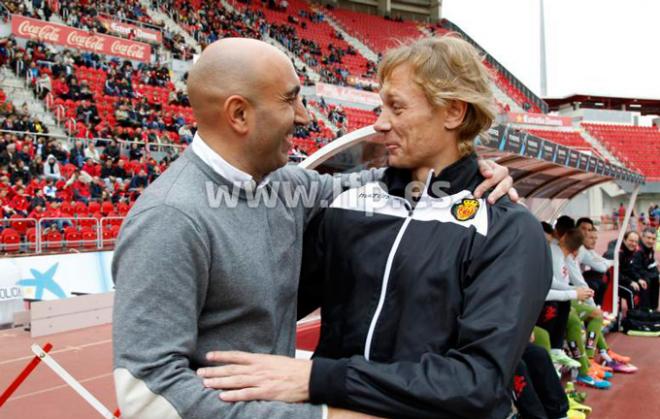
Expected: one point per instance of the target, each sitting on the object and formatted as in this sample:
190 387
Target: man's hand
595 313
634 285
643 283
247 376
584 293
496 177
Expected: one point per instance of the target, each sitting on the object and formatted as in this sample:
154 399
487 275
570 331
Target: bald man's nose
302 116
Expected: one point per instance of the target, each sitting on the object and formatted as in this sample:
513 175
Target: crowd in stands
45 177
18 7
325 51
106 98
87 15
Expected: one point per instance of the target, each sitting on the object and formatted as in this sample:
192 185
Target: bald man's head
232 66
245 97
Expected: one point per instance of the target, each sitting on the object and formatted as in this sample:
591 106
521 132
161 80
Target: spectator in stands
140 180
77 154
111 149
645 268
91 152
52 168
185 134
50 190
19 170
43 86
119 171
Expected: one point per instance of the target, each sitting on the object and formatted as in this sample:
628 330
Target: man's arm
576 278
640 271
504 292
594 260
326 187
161 271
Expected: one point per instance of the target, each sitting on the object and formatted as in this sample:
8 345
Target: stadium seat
11 241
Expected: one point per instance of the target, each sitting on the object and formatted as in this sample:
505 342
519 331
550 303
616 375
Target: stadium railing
29 236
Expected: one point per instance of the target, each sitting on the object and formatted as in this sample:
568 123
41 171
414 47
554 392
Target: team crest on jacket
465 209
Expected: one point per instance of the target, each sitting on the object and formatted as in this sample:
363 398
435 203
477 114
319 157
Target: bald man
201 264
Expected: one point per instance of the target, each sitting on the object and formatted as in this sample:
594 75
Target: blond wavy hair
448 68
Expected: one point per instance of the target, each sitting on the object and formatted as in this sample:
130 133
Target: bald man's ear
236 111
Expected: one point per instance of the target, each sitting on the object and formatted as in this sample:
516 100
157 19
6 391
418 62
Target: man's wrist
327 383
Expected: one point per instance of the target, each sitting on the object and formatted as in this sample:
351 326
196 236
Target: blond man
428 294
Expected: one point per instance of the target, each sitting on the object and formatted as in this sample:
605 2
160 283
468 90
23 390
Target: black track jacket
426 310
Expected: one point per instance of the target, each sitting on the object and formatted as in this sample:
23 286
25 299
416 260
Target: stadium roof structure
546 175
644 106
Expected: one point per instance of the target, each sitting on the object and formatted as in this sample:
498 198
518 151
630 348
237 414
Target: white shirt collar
221 166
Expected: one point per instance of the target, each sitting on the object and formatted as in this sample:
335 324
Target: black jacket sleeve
504 290
627 273
310 288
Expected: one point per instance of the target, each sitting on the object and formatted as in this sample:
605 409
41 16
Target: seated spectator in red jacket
91 167
37 213
60 88
19 203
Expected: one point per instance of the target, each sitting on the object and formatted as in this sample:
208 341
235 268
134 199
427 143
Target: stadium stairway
170 24
366 52
597 145
20 93
320 115
298 63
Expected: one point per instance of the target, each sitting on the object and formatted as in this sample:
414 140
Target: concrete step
363 49
170 24
18 92
321 117
298 63
597 145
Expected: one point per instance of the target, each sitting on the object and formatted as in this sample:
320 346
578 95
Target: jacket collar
459 176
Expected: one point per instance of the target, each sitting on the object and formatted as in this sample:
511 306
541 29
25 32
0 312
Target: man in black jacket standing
646 267
428 294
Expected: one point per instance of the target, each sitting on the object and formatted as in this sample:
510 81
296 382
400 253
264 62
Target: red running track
87 355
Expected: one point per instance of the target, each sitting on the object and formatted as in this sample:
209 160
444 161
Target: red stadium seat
11 241
89 238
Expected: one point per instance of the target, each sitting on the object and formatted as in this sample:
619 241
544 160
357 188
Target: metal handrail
70 138
132 21
37 247
97 228
33 221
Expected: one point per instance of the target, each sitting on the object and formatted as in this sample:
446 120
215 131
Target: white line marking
59 351
75 385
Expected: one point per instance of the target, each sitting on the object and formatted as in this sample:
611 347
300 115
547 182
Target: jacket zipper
386 278
388 268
